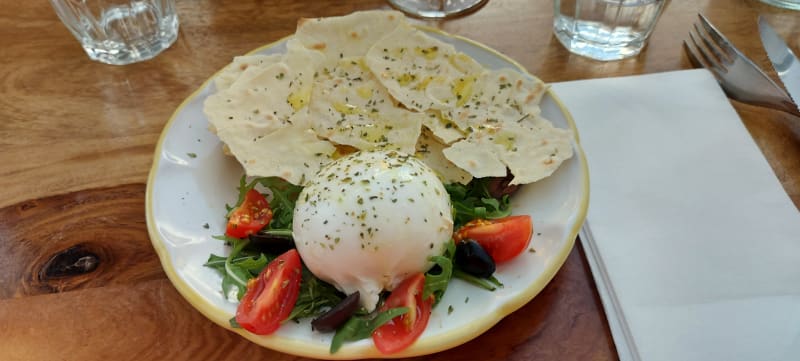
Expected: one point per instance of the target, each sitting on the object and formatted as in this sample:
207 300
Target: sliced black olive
272 243
473 259
499 186
336 316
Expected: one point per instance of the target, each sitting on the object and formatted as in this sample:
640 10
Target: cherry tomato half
270 297
503 238
252 215
403 330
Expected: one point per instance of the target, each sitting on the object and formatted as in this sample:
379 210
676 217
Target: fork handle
791 108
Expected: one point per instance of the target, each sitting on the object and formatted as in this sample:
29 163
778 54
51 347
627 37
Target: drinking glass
120 31
605 29
436 9
786 4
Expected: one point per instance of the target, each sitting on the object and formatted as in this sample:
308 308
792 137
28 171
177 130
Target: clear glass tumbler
786 4
605 29
436 9
120 32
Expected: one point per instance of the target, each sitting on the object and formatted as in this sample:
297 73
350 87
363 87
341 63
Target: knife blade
782 58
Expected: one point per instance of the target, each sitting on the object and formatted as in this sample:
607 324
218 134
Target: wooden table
77 141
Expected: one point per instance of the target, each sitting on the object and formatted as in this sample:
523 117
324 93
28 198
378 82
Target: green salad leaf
246 261
243 188
236 269
491 283
473 200
437 279
315 297
284 196
361 327
243 263
282 200
249 261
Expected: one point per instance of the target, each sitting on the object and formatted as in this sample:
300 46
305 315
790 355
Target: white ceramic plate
191 181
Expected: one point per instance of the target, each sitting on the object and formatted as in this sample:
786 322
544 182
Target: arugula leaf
253 263
314 298
277 232
491 203
235 279
236 274
315 295
284 195
469 201
437 279
227 239
490 283
358 328
473 200
244 187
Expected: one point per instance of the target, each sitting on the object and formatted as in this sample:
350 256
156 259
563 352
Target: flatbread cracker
530 152
429 150
444 129
228 75
263 100
370 81
498 96
475 158
421 72
346 36
293 153
349 106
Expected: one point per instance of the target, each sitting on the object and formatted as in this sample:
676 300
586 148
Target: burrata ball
369 220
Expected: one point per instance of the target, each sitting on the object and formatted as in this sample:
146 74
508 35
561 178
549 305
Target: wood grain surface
79 279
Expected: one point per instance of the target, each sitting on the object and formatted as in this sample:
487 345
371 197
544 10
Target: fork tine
694 57
702 54
719 39
713 48
739 77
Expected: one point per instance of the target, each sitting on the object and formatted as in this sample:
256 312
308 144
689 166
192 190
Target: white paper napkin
693 242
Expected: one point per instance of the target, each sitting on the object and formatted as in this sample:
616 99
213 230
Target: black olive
336 316
473 259
271 243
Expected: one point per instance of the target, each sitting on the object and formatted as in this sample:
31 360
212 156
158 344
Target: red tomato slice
503 238
252 215
270 297
403 330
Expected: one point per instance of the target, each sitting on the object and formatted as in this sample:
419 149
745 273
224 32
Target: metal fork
739 77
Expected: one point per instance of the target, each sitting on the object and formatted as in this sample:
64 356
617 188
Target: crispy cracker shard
351 107
347 36
370 81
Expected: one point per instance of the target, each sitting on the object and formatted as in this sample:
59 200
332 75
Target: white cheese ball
369 220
